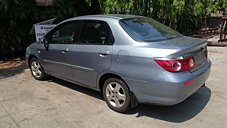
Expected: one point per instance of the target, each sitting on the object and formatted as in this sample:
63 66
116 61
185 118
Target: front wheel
37 70
116 95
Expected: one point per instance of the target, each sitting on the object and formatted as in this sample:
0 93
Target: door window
96 32
66 33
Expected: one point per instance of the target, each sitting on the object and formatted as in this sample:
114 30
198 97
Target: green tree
168 11
17 17
182 15
63 9
115 5
195 13
220 5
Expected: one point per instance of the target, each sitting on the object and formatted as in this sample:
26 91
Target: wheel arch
29 59
106 76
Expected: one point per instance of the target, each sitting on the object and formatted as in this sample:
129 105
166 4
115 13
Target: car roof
104 16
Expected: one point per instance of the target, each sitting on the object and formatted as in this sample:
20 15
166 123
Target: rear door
92 53
57 56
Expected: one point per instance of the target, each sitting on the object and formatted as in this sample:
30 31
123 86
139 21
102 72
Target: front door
57 57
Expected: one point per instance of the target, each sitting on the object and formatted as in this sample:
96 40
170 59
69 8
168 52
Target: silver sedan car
130 59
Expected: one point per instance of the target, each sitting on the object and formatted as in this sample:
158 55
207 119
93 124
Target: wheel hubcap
36 69
115 94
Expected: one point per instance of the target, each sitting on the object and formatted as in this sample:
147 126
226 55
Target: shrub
17 17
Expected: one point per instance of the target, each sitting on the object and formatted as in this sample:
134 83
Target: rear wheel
116 95
37 70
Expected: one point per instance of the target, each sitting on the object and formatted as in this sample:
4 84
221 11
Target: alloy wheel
36 69
115 94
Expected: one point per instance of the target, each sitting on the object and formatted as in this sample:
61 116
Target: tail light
177 65
206 53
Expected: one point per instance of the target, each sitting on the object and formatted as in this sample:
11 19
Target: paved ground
28 103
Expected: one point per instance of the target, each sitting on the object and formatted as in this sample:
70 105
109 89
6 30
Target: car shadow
181 112
12 71
76 87
178 113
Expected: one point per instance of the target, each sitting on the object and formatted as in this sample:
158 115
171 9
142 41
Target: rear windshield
148 30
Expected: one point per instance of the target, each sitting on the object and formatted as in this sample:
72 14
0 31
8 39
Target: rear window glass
148 30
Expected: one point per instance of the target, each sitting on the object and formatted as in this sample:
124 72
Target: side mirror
44 41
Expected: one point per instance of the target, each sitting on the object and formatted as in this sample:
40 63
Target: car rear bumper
169 89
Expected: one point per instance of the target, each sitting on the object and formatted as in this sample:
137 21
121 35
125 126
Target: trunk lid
188 47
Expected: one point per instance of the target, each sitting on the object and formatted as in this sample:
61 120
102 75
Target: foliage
182 15
115 5
194 14
17 17
63 9
220 5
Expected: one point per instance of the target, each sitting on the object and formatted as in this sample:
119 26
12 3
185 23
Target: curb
219 44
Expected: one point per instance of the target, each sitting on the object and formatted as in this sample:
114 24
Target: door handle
103 53
64 51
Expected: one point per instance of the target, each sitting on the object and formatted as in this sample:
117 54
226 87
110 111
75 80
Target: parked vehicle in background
130 59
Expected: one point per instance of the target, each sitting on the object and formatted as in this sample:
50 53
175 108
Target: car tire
37 70
116 95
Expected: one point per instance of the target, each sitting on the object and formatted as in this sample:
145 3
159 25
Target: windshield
148 30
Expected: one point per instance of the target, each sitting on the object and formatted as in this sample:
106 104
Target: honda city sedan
130 59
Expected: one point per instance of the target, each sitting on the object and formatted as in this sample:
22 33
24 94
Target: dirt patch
11 63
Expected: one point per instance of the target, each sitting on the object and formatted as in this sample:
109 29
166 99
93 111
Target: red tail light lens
191 63
177 65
